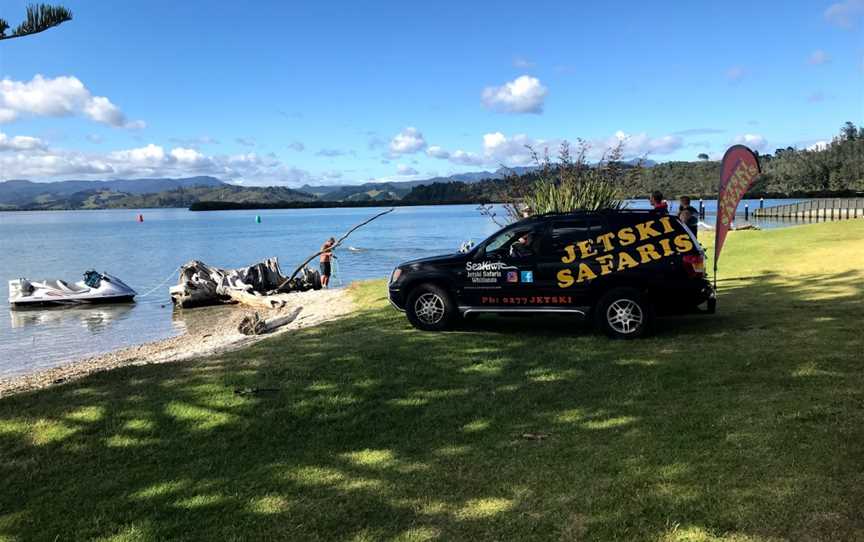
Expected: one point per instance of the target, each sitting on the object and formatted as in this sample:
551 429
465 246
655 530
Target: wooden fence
815 209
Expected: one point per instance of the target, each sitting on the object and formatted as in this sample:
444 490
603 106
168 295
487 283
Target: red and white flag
739 169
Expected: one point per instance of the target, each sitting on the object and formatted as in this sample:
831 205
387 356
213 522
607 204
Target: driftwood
256 285
336 244
254 324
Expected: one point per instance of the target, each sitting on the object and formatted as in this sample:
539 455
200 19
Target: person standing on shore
658 203
326 260
688 214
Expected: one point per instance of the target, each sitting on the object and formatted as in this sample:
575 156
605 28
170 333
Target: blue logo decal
527 276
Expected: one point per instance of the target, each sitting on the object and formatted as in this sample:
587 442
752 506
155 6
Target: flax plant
571 183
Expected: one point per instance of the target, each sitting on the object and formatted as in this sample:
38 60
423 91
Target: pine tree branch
39 18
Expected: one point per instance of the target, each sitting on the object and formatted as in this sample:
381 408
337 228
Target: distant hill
135 193
396 190
22 193
143 193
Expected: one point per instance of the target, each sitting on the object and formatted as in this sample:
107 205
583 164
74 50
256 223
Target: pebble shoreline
316 307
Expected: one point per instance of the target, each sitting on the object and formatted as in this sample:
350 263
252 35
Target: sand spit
213 335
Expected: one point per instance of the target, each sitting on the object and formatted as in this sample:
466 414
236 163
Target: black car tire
624 313
430 308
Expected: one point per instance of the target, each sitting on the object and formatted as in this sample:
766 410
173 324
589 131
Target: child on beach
326 259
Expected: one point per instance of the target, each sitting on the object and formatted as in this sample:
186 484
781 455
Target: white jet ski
95 288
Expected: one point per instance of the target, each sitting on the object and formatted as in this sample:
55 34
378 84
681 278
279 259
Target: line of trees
837 166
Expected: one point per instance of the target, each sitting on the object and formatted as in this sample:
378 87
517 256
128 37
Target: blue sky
295 93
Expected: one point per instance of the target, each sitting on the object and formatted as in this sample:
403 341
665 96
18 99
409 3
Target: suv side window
502 242
572 231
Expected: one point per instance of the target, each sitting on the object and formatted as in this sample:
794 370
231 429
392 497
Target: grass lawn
743 426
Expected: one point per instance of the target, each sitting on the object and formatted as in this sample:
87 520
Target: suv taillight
694 264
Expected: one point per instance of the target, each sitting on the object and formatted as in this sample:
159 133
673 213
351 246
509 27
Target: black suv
620 268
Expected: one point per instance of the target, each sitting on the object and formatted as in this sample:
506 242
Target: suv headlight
394 276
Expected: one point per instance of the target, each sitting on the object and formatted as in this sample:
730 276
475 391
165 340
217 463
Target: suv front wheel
624 313
430 308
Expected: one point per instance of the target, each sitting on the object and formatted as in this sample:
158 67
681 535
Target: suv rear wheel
624 313
430 308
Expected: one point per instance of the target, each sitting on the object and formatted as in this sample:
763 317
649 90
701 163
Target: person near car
658 203
688 214
325 261
522 247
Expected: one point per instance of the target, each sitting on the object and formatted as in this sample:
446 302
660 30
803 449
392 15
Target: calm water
63 244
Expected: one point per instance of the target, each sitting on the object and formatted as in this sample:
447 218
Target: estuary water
145 255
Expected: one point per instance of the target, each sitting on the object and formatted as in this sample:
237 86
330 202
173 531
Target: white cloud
514 151
819 146
408 141
816 97
845 14
297 146
436 151
37 162
641 144
464 158
150 154
818 57
522 63
246 141
735 74
754 141
402 169
194 142
525 94
20 143
187 156
58 97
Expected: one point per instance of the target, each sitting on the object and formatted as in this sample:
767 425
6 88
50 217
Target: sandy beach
215 333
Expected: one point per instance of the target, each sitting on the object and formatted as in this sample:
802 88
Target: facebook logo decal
527 276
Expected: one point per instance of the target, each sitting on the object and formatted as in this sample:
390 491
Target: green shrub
571 183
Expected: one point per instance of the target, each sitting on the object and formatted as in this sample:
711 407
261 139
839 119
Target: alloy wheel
624 316
429 308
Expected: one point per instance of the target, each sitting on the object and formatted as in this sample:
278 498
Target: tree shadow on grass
748 422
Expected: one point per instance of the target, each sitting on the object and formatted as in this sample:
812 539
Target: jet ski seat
62 285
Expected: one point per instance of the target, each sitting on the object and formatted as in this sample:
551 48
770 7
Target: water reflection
201 319
93 318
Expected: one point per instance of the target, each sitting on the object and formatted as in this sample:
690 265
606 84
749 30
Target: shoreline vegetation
744 425
236 206
203 206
